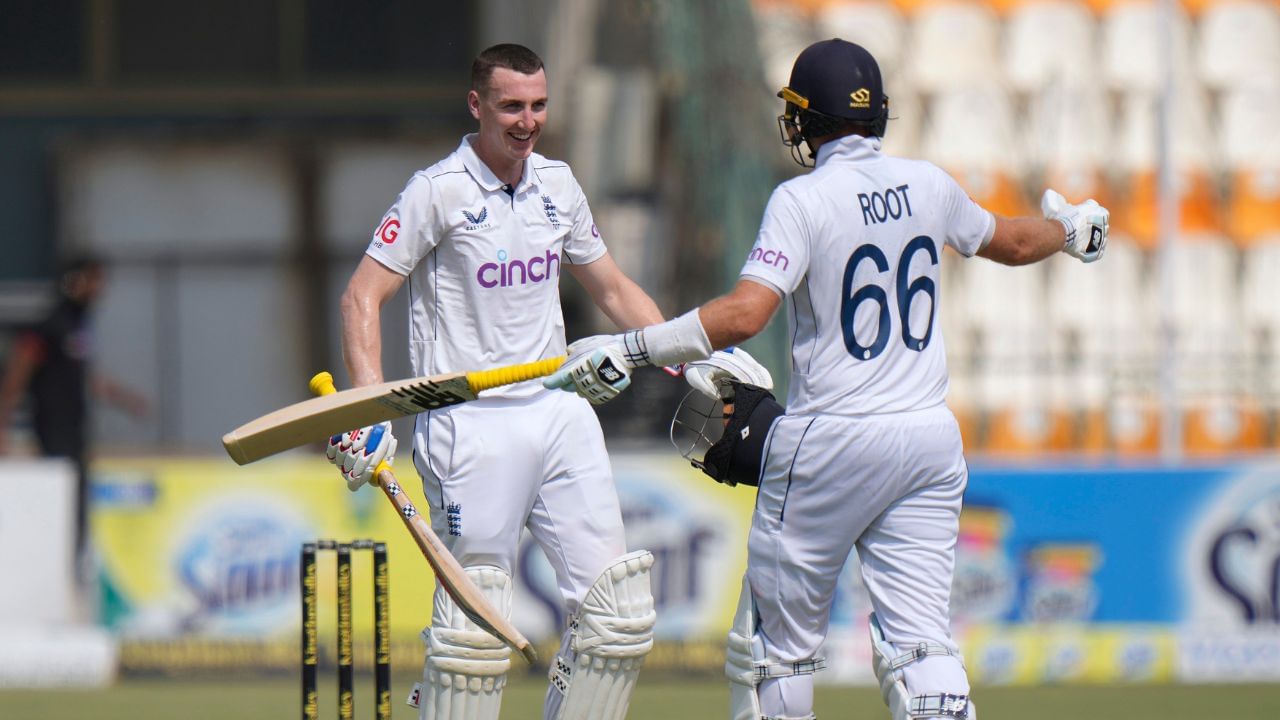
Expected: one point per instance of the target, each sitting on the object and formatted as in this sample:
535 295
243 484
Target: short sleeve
409 230
969 225
583 243
781 253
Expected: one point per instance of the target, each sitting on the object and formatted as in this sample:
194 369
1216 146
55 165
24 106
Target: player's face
511 111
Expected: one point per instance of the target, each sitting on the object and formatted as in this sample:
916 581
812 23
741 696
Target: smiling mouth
521 138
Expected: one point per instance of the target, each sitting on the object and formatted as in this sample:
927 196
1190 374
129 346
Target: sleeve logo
388 231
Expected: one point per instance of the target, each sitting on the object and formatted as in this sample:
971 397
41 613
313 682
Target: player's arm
604 372
370 287
1023 240
740 315
358 453
617 296
1078 230
113 392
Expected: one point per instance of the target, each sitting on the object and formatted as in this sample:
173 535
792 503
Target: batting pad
889 660
747 667
466 667
596 670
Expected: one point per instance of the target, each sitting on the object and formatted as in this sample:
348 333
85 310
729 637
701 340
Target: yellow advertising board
200 559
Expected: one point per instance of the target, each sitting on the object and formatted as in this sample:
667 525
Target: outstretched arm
1078 230
604 372
740 315
1024 240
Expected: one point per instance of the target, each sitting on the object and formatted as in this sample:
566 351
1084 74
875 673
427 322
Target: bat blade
321 417
337 412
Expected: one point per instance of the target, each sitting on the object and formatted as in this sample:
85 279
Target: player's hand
596 369
1086 225
711 376
358 453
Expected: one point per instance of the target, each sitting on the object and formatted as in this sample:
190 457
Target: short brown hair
507 55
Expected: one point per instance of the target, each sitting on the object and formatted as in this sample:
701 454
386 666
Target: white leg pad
466 667
596 670
888 662
746 667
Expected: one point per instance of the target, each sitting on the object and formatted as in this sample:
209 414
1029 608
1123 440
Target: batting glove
1086 225
359 453
597 369
712 376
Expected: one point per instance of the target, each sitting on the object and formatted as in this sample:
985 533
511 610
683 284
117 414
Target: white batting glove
1086 225
711 376
597 369
358 453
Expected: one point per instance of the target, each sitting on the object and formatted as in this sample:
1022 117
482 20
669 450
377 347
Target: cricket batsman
481 238
867 454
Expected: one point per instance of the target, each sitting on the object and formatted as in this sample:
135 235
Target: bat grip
322 384
486 379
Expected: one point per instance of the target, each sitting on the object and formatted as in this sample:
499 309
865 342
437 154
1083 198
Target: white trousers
891 485
492 467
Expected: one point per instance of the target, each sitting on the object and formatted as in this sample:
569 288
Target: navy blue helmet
833 83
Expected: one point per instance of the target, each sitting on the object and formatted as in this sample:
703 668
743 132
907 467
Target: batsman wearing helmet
867 454
481 238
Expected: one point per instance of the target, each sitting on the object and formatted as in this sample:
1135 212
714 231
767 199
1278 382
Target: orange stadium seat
1254 208
1026 429
1130 427
1193 153
1199 211
1223 425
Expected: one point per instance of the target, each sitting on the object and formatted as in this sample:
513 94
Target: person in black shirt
50 365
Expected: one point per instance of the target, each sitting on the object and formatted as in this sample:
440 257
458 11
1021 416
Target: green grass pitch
658 696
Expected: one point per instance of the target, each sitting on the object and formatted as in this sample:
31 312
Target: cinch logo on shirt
477 222
517 272
769 257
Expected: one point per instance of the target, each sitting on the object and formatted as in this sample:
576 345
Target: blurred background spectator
50 366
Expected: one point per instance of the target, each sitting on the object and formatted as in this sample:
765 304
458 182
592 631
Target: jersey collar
484 177
849 147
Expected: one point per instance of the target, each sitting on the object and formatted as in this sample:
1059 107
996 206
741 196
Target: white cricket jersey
484 266
856 245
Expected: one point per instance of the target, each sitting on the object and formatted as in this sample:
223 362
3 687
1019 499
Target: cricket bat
449 572
322 417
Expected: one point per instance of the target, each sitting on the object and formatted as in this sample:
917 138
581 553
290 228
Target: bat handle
487 379
322 384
